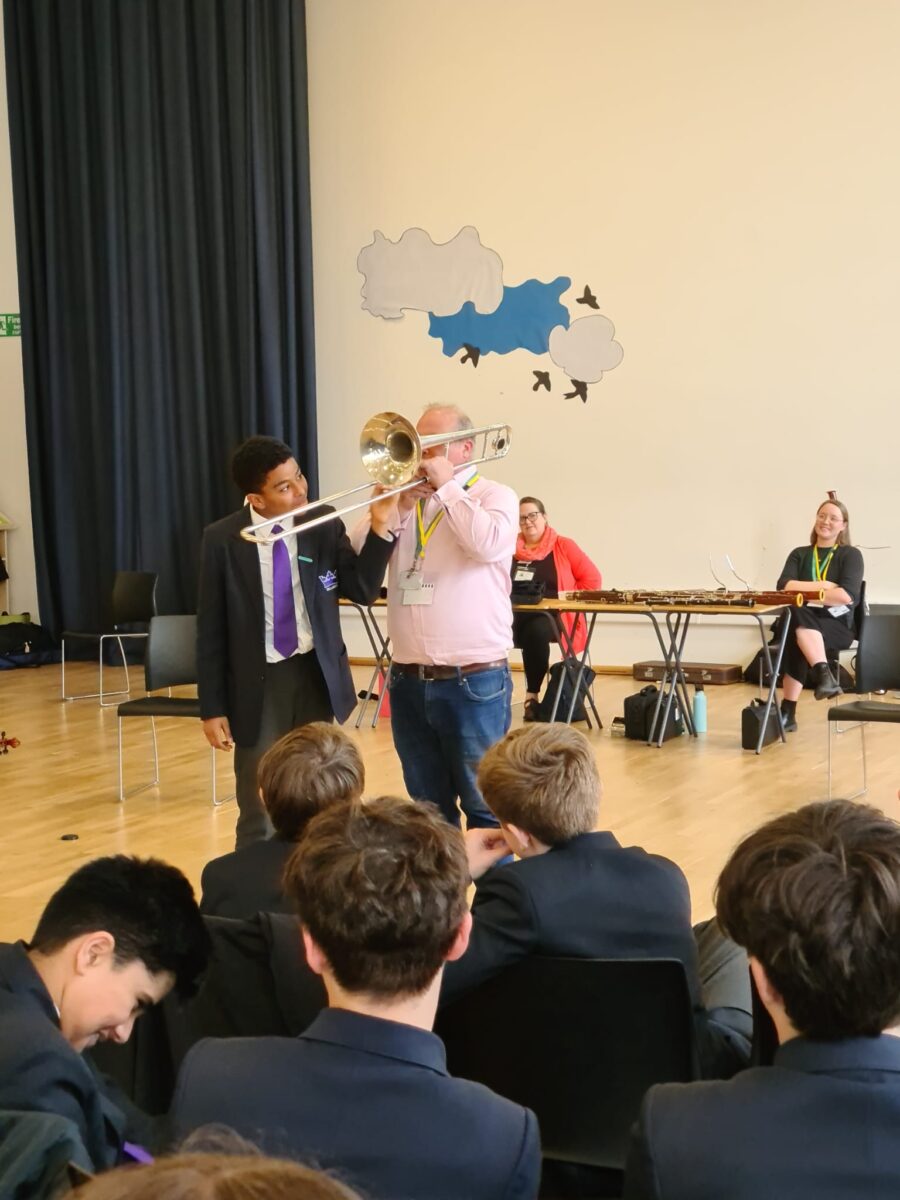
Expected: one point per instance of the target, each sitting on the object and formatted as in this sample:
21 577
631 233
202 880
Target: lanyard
822 569
423 535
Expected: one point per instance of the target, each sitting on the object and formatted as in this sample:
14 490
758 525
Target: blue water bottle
699 709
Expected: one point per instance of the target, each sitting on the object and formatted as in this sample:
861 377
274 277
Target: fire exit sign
10 324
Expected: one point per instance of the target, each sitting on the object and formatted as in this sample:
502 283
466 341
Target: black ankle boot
789 715
825 683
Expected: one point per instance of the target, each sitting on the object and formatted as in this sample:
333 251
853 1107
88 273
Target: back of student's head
814 895
146 905
543 779
381 888
255 458
216 1177
309 768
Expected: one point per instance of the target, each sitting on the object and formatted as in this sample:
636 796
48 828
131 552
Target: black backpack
24 644
546 706
639 710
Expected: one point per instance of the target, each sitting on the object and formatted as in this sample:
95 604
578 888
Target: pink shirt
467 559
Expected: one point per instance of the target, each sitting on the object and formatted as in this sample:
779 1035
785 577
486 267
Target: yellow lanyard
423 535
822 570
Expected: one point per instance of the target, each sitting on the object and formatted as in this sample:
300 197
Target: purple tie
284 616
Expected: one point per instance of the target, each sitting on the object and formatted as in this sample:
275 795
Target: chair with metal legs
171 661
877 670
133 602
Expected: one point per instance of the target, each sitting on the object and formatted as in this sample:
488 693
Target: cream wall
15 501
725 176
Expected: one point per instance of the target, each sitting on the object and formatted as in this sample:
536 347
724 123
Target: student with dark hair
113 940
305 771
381 886
577 892
270 654
814 897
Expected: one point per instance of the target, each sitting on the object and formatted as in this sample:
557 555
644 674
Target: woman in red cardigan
561 565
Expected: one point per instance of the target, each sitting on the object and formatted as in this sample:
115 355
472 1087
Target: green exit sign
10 324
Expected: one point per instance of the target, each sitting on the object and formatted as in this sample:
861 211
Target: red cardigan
574 571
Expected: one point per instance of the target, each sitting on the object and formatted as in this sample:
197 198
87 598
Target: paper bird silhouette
580 390
472 354
588 298
543 380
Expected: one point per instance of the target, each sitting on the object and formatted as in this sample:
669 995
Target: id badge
838 610
423 594
410 581
524 573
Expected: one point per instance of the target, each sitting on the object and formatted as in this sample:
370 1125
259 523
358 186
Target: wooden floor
690 800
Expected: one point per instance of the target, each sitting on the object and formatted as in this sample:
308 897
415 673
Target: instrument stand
381 648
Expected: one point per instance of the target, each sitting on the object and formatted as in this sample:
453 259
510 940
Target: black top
821 1122
542 570
370 1099
41 1072
845 570
247 881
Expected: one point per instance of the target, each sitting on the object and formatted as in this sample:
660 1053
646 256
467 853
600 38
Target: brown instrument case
693 672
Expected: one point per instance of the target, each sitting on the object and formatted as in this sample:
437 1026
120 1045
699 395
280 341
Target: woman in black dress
829 564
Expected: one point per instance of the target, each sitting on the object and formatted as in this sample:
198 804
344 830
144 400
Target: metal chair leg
861 725
126 691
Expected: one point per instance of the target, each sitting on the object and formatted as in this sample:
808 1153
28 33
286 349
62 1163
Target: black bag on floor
546 705
639 710
24 644
751 723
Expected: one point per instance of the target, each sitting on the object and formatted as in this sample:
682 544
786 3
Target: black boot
825 683
789 715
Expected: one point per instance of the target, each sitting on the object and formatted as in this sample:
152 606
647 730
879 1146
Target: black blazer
231 636
587 898
246 881
370 1099
41 1072
822 1122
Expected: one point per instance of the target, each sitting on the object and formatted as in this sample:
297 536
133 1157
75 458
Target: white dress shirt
304 629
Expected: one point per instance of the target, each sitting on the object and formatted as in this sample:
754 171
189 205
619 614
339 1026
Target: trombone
391 451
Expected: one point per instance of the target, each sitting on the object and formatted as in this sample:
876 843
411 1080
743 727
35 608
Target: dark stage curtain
161 186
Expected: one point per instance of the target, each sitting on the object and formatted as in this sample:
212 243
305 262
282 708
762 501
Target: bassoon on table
698 597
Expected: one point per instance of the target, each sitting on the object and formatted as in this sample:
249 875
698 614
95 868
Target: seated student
381 886
112 941
814 897
307 769
576 892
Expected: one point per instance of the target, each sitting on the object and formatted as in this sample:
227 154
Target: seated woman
557 562
830 564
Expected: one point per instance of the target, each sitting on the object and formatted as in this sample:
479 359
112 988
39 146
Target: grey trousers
294 694
725 1035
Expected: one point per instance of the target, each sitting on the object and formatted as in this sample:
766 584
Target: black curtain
161 187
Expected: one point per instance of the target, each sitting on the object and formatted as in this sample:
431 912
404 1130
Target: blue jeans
441 728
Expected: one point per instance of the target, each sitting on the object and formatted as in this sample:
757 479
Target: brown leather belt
427 671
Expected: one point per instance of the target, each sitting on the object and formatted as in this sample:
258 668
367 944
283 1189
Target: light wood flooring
690 800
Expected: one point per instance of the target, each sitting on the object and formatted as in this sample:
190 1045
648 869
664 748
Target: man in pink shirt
450 622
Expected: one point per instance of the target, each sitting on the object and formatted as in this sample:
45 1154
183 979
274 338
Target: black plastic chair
877 670
579 1041
171 661
133 602
859 615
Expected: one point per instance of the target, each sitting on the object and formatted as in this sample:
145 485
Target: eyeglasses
529 518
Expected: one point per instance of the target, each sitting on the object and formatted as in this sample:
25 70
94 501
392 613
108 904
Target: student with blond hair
577 892
308 769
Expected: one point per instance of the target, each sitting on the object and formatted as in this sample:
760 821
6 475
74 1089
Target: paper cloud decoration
417 273
586 349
